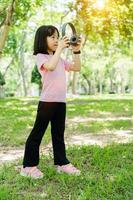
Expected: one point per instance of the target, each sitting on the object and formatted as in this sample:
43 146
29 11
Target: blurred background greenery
107 50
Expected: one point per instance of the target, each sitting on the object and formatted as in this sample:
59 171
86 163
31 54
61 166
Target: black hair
40 41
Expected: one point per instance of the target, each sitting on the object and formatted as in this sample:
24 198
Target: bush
2 79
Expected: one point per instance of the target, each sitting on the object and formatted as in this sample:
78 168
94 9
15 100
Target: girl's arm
76 66
51 65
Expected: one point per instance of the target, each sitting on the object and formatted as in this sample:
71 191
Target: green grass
98 127
100 108
107 174
17 117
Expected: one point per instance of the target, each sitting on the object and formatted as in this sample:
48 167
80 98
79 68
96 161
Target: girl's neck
50 52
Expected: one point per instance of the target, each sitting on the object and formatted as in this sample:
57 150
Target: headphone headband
72 27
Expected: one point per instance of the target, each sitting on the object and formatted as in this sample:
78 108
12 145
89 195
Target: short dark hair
40 41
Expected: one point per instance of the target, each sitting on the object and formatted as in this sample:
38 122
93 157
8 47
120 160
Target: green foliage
3 7
35 77
11 44
113 20
2 79
24 10
108 32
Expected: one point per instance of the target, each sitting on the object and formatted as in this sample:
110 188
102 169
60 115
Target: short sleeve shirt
53 82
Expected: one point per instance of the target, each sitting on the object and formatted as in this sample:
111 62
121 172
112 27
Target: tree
6 23
36 77
15 13
2 82
112 20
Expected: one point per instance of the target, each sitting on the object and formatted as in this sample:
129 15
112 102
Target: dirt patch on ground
97 119
120 136
10 155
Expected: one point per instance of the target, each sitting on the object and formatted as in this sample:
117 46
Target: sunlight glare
100 4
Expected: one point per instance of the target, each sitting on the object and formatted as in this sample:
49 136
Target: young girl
52 104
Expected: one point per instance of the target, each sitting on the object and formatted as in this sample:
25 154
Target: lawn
107 173
17 117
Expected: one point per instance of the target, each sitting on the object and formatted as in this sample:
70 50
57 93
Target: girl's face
52 42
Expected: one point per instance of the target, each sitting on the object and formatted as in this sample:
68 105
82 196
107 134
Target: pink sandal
32 172
69 169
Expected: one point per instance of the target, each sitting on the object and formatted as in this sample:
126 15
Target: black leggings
55 112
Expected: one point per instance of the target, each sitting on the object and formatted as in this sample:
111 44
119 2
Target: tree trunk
100 87
88 82
93 85
2 91
6 26
22 70
122 86
74 83
111 84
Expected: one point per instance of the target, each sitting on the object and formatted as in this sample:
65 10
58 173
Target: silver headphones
74 38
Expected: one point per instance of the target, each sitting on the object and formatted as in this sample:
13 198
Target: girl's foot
32 172
69 169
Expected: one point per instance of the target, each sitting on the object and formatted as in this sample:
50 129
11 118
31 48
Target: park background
99 124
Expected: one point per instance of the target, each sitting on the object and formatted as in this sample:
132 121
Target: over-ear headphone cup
74 40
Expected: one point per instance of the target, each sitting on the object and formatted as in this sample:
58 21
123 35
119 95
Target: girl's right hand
63 43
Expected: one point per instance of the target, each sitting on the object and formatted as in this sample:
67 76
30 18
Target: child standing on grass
52 104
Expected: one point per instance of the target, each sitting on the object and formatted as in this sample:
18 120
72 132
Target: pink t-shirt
53 82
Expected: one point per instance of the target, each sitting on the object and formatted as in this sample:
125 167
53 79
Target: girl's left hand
76 47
